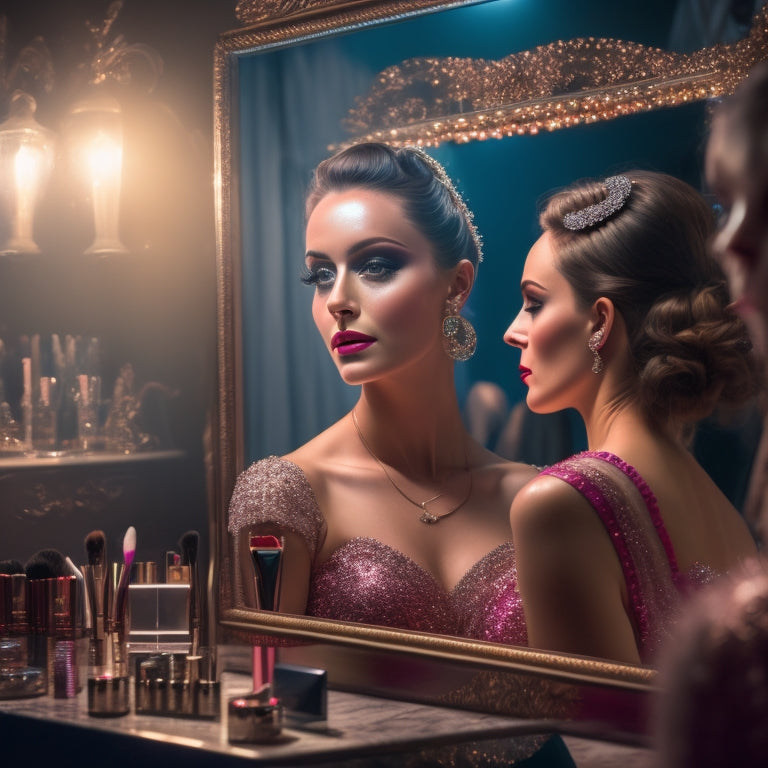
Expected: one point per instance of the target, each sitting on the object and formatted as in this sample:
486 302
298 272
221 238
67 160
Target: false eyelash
308 277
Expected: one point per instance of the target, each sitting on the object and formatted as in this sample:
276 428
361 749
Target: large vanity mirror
515 98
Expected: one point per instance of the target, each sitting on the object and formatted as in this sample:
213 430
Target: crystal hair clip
445 180
618 188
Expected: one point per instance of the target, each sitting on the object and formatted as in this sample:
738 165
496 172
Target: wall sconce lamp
96 138
93 135
26 161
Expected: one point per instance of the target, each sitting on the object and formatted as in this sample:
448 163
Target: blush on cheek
556 339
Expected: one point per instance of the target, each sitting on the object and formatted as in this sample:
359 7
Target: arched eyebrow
357 247
526 283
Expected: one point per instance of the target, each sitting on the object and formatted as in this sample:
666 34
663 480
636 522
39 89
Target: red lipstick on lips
524 373
350 342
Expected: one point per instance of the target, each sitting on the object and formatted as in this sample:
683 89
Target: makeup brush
121 596
43 567
10 567
82 603
97 586
46 564
188 546
43 571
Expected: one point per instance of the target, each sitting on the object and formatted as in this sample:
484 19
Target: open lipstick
257 717
267 556
350 342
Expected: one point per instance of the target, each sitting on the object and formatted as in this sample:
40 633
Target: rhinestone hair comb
618 187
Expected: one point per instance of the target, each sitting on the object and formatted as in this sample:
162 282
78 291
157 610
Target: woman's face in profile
551 332
379 294
741 242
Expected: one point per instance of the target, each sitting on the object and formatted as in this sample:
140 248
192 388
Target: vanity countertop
362 731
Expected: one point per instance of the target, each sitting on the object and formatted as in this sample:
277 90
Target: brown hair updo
651 260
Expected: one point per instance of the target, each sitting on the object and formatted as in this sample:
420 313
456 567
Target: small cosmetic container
303 694
108 696
177 685
253 720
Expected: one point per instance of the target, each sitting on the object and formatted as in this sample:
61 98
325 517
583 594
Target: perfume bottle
44 418
87 399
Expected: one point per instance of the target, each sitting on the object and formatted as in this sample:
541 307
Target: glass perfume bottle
44 418
87 399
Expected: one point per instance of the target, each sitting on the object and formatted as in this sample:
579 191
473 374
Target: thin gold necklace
427 517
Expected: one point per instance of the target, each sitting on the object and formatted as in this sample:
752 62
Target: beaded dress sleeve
274 491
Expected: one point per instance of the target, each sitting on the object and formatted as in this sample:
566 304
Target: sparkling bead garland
564 83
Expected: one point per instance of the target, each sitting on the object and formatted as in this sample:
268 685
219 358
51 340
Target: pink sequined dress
630 513
367 581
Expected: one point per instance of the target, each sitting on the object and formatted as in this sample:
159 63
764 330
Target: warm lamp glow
26 160
96 138
105 160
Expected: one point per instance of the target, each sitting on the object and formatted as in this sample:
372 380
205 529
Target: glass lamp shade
26 162
95 135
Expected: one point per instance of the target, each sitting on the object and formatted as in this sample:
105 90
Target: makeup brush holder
108 689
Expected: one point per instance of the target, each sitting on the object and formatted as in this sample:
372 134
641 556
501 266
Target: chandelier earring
459 337
594 344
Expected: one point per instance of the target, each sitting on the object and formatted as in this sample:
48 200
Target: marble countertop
361 730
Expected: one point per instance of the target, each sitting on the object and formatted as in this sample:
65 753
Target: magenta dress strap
650 502
638 535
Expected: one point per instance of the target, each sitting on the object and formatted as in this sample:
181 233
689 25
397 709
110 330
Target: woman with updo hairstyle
393 515
625 319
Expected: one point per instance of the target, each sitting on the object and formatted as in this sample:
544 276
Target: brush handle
121 599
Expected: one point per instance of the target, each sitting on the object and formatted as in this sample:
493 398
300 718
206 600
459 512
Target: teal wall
293 101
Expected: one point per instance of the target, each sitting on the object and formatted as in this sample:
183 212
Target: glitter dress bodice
365 580
630 514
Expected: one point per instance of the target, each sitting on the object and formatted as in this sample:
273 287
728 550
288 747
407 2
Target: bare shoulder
318 457
548 506
509 477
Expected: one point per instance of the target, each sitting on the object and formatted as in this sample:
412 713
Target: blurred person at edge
713 706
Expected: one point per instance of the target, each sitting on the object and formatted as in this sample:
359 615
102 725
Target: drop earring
594 343
459 337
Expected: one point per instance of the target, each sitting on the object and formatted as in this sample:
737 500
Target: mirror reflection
292 391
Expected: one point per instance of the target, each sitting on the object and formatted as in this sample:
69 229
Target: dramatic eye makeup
378 263
318 272
533 299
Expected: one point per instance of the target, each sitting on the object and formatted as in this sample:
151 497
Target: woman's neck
623 430
422 431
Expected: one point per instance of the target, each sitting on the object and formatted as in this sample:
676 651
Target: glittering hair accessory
618 188
458 200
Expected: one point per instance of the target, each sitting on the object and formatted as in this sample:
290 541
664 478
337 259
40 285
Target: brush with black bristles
188 546
10 567
46 564
43 567
96 575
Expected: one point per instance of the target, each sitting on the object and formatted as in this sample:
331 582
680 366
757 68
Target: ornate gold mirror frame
429 101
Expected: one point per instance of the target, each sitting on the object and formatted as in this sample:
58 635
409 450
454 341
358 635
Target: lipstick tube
267 558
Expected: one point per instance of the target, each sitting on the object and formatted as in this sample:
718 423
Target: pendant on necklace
427 517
